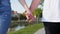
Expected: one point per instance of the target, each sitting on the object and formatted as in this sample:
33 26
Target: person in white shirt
50 15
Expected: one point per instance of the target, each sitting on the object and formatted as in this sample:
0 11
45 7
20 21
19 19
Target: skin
34 4
29 11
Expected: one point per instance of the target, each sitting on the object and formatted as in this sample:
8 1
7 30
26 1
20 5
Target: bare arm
28 13
32 7
34 4
24 4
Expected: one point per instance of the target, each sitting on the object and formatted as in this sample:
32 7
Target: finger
31 20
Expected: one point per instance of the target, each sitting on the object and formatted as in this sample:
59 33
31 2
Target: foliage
13 24
22 17
15 18
41 3
30 29
37 12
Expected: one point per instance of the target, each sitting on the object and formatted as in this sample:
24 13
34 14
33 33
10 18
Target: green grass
30 29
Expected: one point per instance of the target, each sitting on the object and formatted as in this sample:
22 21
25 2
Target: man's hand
29 16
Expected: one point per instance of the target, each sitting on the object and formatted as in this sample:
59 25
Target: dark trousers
52 28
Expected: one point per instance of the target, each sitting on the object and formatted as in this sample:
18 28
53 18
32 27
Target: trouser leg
5 19
52 28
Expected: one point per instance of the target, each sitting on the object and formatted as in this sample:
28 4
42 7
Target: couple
5 13
50 15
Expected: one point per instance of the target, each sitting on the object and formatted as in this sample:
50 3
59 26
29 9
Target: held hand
29 16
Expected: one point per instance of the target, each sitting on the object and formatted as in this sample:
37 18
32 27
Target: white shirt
51 11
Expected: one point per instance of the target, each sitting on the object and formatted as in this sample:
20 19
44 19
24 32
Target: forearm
34 4
23 3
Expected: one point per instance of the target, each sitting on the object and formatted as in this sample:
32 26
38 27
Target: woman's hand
29 16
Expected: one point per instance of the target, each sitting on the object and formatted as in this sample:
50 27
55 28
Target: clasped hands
29 16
